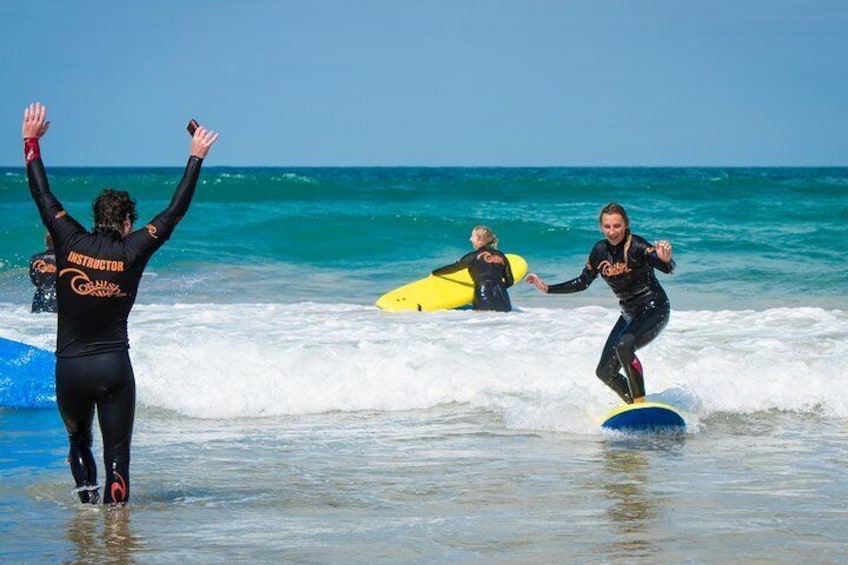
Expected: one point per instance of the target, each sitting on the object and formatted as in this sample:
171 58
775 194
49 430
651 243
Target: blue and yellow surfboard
644 417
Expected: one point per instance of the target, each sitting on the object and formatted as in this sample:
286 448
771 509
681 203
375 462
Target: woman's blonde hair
488 235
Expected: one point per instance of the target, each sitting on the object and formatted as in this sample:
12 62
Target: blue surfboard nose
646 416
26 376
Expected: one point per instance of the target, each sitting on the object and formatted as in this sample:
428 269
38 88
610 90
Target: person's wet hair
111 207
488 235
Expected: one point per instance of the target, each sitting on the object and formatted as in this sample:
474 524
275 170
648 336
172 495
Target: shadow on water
626 480
102 535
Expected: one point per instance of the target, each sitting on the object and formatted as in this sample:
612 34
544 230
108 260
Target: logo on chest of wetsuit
609 269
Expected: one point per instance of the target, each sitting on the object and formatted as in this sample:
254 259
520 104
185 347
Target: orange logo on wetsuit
118 490
43 266
608 269
151 229
84 286
95 263
489 257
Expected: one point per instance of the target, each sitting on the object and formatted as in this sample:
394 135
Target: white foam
534 367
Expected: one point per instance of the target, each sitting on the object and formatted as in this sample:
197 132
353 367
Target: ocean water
283 418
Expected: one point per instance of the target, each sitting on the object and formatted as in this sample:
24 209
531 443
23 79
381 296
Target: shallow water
445 485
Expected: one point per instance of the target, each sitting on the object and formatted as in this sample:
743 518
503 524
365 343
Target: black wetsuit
492 275
98 277
42 273
644 307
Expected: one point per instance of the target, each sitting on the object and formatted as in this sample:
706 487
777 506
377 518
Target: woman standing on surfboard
98 277
489 269
626 262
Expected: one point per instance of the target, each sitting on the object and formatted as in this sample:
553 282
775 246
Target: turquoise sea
284 418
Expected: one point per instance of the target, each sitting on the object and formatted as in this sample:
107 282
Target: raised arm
147 240
34 126
53 215
201 142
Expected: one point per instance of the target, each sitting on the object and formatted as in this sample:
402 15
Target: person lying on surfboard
97 284
489 269
626 262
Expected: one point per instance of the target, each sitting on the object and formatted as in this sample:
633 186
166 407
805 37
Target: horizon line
398 166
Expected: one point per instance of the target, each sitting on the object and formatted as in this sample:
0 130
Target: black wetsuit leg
78 415
609 364
492 296
107 382
634 329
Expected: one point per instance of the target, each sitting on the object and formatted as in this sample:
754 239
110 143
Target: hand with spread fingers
663 248
35 122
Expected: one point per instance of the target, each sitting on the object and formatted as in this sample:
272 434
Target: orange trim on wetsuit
492 275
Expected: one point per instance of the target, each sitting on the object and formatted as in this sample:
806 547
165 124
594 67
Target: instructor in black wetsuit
97 282
489 269
42 273
626 262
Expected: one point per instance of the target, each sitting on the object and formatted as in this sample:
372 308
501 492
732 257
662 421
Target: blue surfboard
26 376
644 417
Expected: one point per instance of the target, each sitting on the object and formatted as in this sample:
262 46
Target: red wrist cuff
32 150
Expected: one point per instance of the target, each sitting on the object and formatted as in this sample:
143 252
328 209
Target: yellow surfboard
442 292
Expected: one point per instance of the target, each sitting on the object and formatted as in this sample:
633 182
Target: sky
430 83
